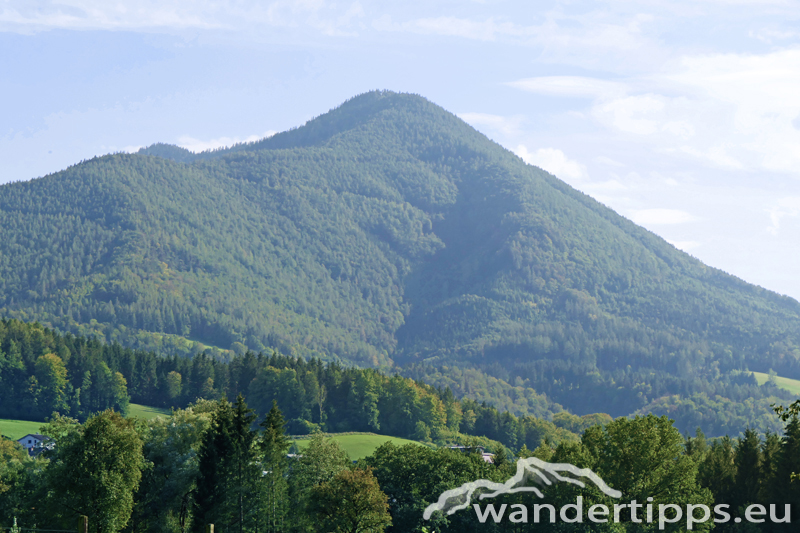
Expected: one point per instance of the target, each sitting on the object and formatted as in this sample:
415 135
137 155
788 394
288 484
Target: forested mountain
389 232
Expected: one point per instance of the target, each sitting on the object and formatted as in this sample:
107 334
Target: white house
487 457
32 440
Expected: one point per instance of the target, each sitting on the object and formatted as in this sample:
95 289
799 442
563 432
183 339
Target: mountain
390 233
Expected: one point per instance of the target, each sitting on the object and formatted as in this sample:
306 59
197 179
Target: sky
683 116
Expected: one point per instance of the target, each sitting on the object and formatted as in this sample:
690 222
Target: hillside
388 232
358 445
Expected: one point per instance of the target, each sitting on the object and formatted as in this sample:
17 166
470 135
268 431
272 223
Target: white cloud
508 126
661 216
28 16
553 161
732 111
761 94
197 145
679 128
322 15
486 30
631 114
575 86
605 160
786 207
97 14
750 2
573 34
599 39
716 155
769 36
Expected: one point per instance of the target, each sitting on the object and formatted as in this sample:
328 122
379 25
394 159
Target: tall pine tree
274 488
786 484
228 471
748 470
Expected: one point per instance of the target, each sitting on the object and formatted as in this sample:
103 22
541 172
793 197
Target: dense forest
42 372
210 464
389 234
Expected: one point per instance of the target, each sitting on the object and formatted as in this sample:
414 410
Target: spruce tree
697 446
210 497
244 467
748 462
786 484
274 488
227 470
770 453
718 470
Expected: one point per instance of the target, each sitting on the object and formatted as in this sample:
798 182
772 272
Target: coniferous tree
245 471
770 454
163 503
275 489
718 470
748 464
787 486
211 498
697 446
227 471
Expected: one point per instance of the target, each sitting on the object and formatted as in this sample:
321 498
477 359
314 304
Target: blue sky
683 116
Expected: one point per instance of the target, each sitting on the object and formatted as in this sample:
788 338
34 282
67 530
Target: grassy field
359 446
792 385
19 428
145 412
16 429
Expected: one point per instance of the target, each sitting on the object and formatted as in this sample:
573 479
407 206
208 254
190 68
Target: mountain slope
386 231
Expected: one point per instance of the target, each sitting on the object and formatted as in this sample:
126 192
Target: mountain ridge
386 231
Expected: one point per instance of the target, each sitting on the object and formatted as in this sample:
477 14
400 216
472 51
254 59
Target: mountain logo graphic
529 471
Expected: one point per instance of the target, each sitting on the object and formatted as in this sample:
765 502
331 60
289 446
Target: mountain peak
351 114
168 151
388 231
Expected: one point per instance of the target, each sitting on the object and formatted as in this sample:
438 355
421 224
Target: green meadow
16 429
359 445
792 385
144 412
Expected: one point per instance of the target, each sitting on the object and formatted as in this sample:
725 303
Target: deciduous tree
351 502
95 472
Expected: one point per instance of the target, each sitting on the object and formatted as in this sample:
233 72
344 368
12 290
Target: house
468 449
487 457
33 441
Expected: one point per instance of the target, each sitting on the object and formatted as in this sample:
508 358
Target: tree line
42 372
211 463
69 371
